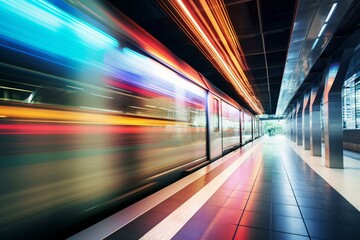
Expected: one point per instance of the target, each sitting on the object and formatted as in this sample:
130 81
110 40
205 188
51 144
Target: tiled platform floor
265 191
345 181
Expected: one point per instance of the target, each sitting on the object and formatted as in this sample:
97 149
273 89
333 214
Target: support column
333 126
293 125
288 126
317 90
306 121
299 122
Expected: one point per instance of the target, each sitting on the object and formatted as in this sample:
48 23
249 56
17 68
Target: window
216 122
351 94
349 104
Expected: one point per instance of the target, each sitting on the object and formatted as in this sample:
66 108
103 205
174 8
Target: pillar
333 126
306 121
293 125
299 122
317 90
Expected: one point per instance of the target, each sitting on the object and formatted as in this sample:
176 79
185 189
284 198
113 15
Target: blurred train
93 112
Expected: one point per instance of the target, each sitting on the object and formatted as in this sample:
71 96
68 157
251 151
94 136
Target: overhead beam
264 48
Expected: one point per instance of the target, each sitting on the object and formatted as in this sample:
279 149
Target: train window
242 121
216 115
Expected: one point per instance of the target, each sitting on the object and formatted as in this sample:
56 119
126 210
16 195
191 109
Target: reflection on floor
264 191
345 181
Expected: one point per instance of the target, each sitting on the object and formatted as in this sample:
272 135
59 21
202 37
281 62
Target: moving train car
95 112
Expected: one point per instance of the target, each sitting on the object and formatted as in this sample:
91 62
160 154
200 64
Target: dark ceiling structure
278 38
263 29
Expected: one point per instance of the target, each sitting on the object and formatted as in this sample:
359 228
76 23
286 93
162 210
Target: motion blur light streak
15 89
98 95
146 67
77 88
85 118
93 112
147 42
204 22
66 129
52 29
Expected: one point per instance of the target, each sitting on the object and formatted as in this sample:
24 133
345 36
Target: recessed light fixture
331 12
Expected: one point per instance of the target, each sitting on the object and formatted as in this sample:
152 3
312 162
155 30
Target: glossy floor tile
265 192
344 181
288 200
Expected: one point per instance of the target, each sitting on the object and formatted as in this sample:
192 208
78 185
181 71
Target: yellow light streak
208 25
66 116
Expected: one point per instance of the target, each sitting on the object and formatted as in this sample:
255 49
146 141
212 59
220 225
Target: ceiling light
316 41
331 12
322 29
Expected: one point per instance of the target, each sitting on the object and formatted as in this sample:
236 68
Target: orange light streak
208 25
67 116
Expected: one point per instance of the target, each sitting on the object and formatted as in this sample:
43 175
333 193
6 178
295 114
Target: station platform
269 189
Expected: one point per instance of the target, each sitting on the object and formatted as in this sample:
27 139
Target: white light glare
98 95
322 29
77 88
316 40
331 12
15 89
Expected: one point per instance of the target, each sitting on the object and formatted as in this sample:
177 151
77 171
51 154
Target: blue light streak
46 28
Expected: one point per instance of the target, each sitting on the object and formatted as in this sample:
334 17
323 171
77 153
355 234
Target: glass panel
216 115
351 94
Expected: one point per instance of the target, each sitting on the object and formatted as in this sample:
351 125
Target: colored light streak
63 116
140 37
45 27
150 45
73 129
143 70
204 22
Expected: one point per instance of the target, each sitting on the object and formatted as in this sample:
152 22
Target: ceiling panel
258 73
243 18
276 41
275 80
255 61
276 58
276 71
251 45
276 14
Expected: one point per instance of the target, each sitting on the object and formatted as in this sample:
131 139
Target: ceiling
266 30
263 29
278 38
